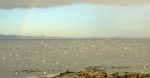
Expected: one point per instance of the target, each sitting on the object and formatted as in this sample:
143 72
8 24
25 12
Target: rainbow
25 23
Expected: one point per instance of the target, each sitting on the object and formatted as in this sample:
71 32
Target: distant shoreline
71 38
59 37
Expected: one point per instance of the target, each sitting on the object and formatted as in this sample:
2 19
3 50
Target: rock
94 72
67 75
84 73
100 73
123 75
148 75
110 76
120 75
142 75
115 74
132 75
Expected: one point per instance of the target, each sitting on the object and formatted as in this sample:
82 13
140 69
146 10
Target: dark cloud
9 4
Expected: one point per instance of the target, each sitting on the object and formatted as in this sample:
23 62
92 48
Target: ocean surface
38 58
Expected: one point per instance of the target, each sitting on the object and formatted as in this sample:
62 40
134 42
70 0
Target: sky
76 18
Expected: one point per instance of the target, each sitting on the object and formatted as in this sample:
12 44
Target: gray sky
47 3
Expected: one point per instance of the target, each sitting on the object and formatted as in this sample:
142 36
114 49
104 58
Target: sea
37 58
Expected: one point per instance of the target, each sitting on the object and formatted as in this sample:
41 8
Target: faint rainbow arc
27 17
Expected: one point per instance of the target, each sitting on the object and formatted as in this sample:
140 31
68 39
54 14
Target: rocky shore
94 72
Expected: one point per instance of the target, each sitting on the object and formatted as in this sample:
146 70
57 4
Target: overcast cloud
10 4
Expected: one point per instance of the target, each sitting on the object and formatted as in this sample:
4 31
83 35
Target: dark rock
148 75
120 67
25 70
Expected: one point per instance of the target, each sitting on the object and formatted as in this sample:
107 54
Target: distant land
10 36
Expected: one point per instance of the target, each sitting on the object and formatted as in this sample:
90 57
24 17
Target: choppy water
35 58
